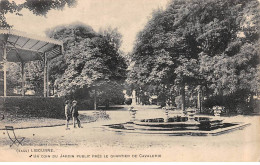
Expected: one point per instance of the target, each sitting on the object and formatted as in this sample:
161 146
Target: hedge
32 107
85 104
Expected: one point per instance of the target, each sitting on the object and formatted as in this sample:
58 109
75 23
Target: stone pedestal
133 98
191 112
166 111
132 114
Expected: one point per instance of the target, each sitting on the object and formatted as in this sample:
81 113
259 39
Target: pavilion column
46 77
5 68
23 78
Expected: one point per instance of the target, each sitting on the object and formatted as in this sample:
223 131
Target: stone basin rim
185 132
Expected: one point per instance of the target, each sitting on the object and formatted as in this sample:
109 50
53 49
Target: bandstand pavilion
20 47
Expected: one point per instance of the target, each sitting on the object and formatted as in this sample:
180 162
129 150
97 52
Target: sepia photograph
129 81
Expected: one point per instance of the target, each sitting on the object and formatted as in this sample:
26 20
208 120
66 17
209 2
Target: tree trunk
95 99
183 97
202 100
204 92
199 100
107 104
251 103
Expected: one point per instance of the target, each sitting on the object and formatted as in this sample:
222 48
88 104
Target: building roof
23 47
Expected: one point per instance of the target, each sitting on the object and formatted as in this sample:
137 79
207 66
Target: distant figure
75 114
67 113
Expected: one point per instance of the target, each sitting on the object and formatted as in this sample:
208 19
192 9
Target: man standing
75 114
67 113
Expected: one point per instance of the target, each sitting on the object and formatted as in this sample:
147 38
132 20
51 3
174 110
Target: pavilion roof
23 47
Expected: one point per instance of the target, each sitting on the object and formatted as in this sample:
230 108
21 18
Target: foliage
194 43
128 101
37 7
34 106
91 61
34 77
111 93
14 77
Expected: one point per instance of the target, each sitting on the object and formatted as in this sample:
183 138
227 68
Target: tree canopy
91 60
195 43
37 7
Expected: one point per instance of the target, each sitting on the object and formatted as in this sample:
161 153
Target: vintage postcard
129 81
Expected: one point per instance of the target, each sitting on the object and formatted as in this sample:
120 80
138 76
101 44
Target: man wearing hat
75 114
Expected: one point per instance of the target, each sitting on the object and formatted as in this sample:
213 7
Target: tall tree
91 60
209 45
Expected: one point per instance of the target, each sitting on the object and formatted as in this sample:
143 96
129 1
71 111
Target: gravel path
93 140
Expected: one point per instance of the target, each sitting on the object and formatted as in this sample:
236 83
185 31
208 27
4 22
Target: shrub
128 101
85 104
236 102
34 106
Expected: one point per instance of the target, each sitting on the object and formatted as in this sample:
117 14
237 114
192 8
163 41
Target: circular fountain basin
177 125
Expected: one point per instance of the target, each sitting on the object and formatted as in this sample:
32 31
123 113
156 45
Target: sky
129 16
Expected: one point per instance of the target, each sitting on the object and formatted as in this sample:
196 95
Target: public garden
95 138
187 90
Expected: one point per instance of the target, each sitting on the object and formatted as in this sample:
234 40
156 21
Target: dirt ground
94 142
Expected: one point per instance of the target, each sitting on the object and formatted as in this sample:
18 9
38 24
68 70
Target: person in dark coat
75 114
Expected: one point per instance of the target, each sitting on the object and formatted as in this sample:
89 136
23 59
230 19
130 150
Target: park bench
14 139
